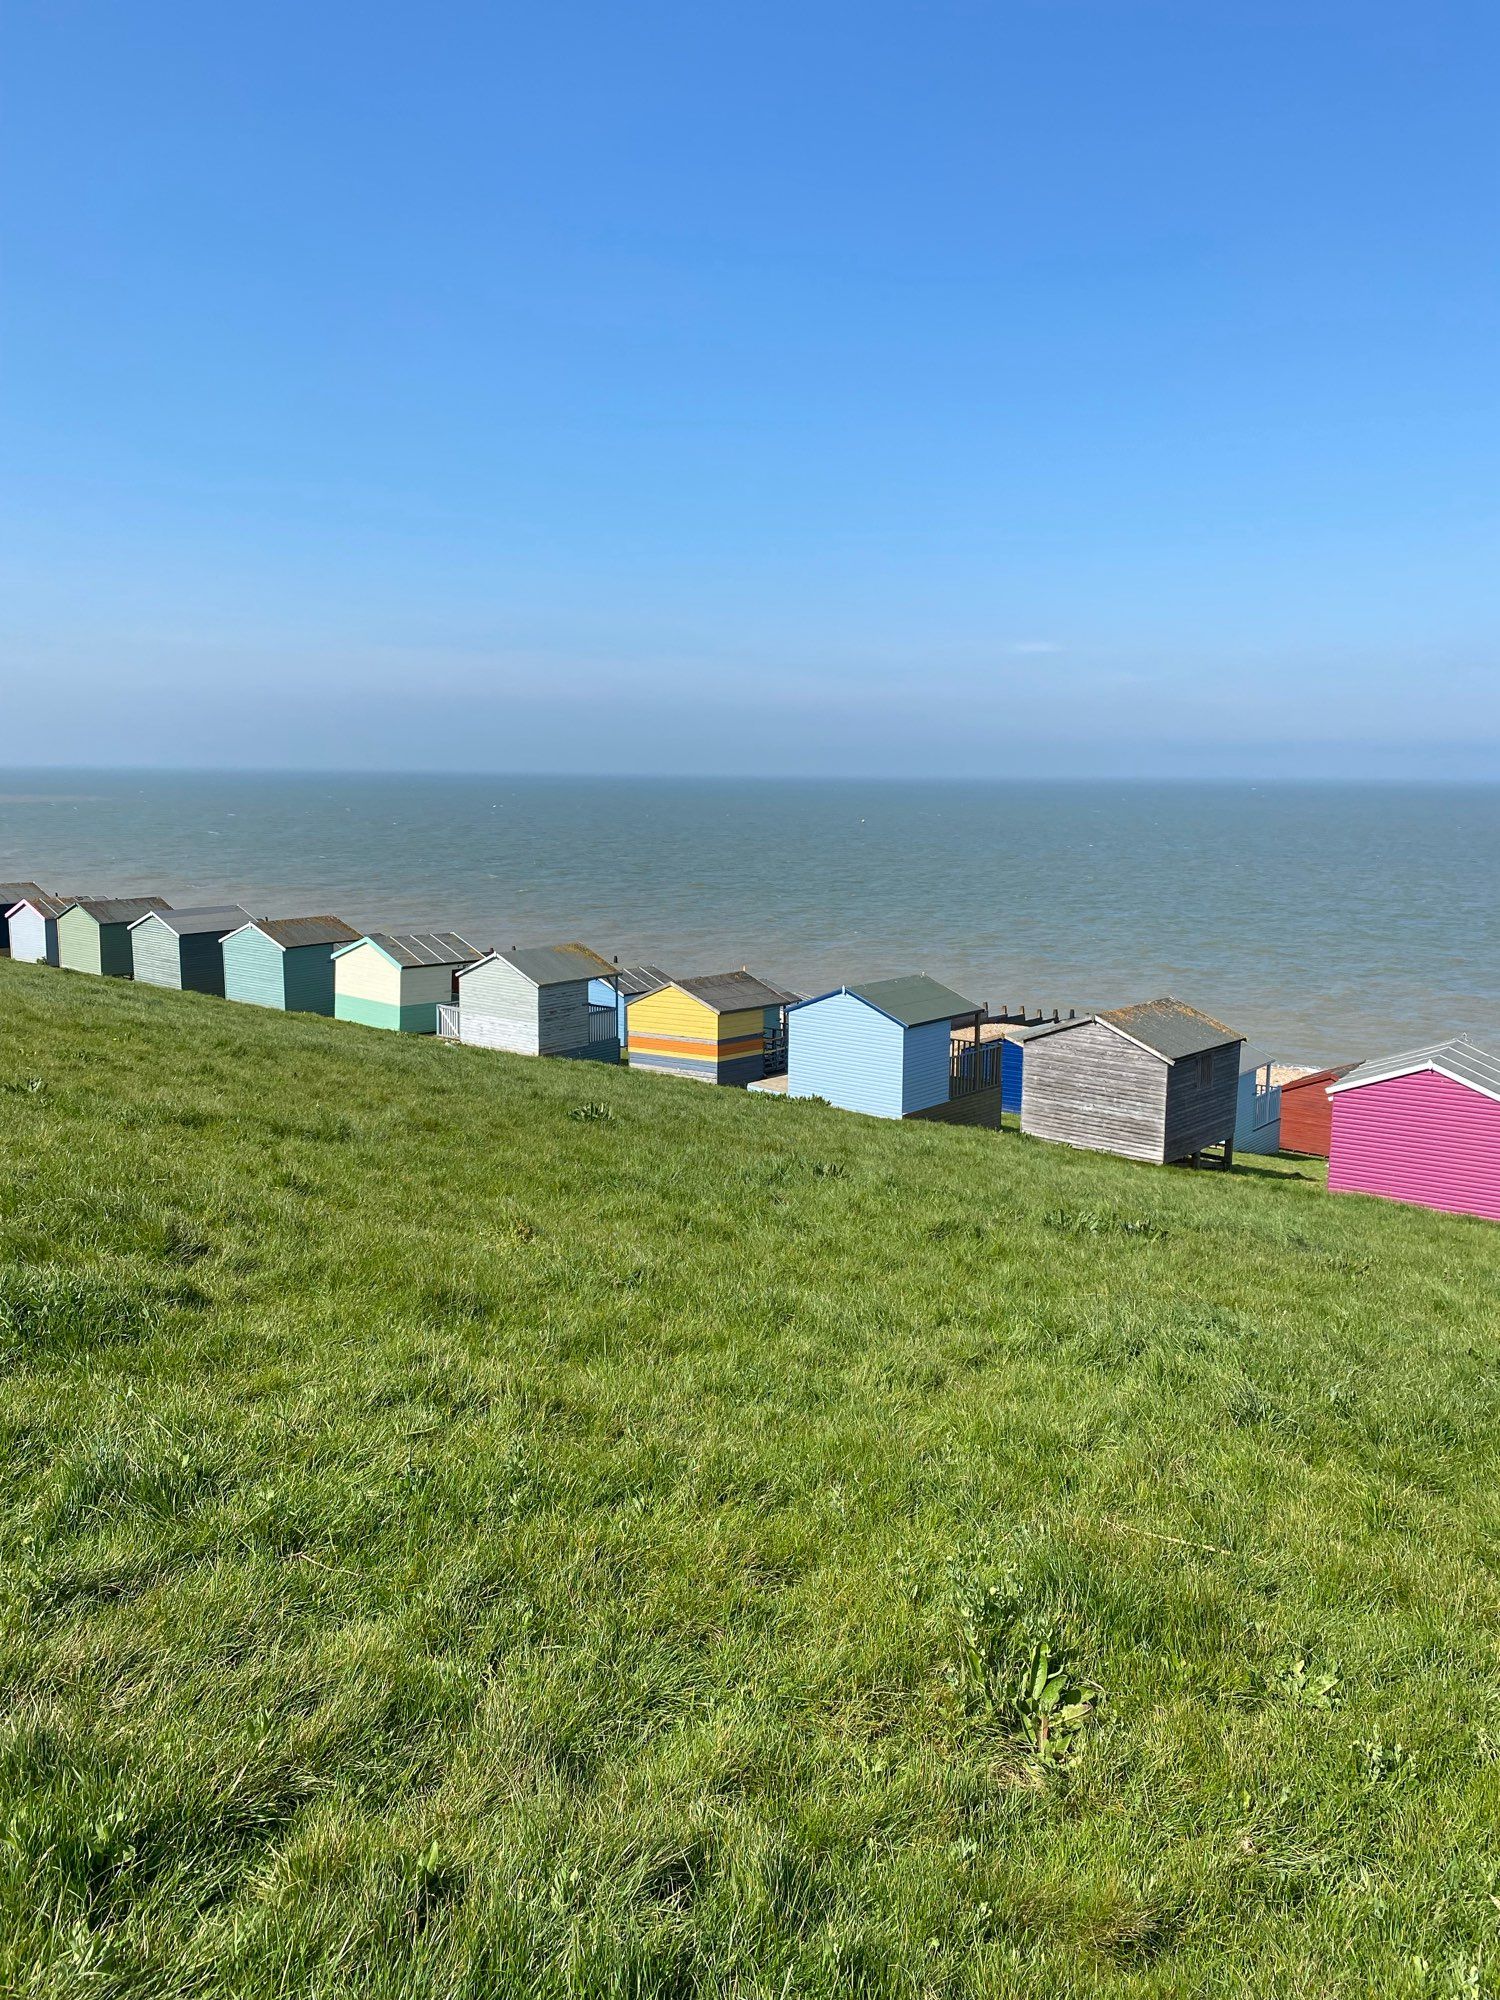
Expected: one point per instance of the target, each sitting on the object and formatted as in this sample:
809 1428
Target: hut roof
413 948
1311 1078
118 909
205 919
729 992
634 980
1167 1028
18 892
556 964
290 932
914 999
1459 1058
39 900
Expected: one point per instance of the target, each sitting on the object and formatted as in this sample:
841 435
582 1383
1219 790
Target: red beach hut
1307 1111
1422 1127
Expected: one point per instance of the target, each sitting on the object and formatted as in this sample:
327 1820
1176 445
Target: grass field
478 1526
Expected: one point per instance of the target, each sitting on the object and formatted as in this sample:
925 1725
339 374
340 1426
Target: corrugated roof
424 947
729 992
40 901
556 964
638 979
118 909
294 931
207 919
1459 1058
914 999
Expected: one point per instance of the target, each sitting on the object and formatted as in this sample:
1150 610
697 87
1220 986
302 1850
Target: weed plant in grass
478 1526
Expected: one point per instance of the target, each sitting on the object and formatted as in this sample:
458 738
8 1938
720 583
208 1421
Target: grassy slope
452 1546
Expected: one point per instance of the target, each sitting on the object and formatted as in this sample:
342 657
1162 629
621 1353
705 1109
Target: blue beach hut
627 983
888 1047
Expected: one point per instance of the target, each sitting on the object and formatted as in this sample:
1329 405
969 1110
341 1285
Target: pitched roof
1459 1058
118 909
207 919
729 992
293 931
413 948
1168 1028
39 900
18 892
556 964
914 999
634 980
1311 1079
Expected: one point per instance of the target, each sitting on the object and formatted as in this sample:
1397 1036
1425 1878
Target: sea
1324 921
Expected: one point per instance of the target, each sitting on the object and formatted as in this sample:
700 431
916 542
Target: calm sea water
1325 921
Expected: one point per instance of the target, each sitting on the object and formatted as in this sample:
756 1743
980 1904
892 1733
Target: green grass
454 1545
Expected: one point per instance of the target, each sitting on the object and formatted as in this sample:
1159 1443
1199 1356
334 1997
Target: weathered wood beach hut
93 934
1158 1082
12 893
1307 1111
388 981
895 1048
1422 1127
285 962
184 949
535 1001
728 1028
32 925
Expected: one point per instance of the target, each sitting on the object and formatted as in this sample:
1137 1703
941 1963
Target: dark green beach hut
93 935
285 962
184 948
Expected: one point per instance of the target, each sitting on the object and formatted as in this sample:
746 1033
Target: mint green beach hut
93 934
400 982
285 962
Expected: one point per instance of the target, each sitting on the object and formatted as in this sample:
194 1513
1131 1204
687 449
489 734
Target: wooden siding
1257 1112
1090 1087
1422 1138
1012 1074
1201 1114
253 971
158 962
33 937
83 945
925 1065
503 1006
842 1049
365 973
417 1020
307 974
1307 1114
673 1013
979 1107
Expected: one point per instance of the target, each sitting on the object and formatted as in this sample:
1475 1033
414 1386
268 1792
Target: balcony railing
604 1025
973 1067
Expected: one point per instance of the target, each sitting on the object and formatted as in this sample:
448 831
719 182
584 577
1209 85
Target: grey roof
556 964
1169 1028
293 931
914 999
207 919
118 909
40 901
638 979
728 992
1458 1058
414 948
18 892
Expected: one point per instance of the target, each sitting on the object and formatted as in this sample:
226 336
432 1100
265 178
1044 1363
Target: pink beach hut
1422 1127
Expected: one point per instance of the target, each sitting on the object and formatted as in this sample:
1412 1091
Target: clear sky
1050 386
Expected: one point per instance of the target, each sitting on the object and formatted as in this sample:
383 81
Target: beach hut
535 1000
32 925
729 1027
285 962
625 984
1158 1081
1307 1111
184 949
93 934
386 981
1260 1103
1422 1127
12 893
895 1048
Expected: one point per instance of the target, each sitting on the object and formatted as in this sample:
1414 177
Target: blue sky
1044 386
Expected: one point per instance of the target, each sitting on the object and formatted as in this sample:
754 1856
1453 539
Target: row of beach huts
1158 1081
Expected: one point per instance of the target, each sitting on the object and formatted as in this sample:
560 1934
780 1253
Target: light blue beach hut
895 1048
